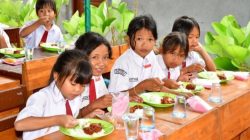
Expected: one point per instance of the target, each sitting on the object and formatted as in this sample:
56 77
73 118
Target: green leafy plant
15 12
230 44
105 19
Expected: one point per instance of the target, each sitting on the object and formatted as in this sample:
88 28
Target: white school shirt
34 38
130 69
194 57
6 37
174 72
47 102
100 89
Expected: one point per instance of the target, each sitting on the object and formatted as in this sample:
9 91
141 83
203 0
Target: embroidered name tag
147 66
133 79
120 71
84 98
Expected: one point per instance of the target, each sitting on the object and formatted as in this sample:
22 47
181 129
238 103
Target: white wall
204 11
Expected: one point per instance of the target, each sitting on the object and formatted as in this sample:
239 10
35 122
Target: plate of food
189 87
222 76
158 99
12 61
134 107
13 52
52 47
89 129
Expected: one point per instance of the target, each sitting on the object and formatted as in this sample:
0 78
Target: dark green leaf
224 63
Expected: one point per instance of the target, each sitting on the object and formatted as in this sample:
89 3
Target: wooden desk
16 71
227 120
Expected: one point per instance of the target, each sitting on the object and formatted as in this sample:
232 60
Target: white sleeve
119 78
196 58
34 106
157 71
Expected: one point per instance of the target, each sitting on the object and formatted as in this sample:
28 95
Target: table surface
16 71
222 122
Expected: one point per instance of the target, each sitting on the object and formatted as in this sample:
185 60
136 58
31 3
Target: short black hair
174 39
138 23
41 3
75 63
185 25
90 41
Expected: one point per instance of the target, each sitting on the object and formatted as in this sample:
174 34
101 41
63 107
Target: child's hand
152 84
95 113
67 121
186 77
197 47
103 102
135 98
172 84
193 68
44 20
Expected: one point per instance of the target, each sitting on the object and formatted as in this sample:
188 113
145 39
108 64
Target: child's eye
151 39
139 39
106 57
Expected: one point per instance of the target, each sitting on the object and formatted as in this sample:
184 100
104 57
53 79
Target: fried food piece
93 128
132 109
167 100
221 76
17 52
10 60
190 86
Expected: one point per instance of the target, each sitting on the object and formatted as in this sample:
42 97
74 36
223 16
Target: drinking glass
179 107
61 47
215 95
29 53
148 119
120 102
131 123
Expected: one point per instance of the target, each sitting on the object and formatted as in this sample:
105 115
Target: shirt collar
139 60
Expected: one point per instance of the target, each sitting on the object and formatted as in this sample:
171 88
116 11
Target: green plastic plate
5 52
213 76
149 98
78 132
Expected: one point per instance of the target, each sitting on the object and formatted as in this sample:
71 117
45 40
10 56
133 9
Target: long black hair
173 40
138 23
75 63
185 25
90 41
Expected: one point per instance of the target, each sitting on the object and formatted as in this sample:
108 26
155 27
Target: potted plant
230 44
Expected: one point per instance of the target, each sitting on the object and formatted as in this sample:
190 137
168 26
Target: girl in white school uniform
137 70
174 50
43 30
197 58
59 103
96 96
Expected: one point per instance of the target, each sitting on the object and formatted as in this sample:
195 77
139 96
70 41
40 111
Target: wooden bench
36 73
11 102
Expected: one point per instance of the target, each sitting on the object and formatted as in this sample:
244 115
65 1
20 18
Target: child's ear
55 76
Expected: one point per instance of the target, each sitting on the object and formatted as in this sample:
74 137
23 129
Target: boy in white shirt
43 30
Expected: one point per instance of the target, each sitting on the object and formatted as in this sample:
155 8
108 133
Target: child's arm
100 103
210 66
29 29
27 124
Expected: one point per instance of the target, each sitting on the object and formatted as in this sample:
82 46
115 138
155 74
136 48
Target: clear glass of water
148 119
29 51
179 107
61 47
215 95
131 123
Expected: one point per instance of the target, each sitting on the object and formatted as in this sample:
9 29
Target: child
4 39
198 58
44 29
96 96
174 51
59 103
137 70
